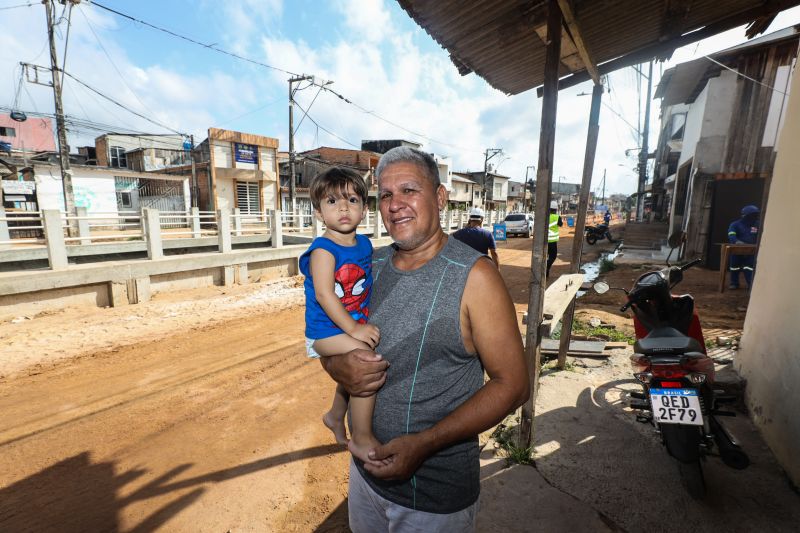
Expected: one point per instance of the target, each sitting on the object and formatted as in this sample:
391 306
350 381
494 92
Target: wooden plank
550 345
577 38
557 298
544 182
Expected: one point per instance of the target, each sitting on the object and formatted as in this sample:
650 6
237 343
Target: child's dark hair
336 180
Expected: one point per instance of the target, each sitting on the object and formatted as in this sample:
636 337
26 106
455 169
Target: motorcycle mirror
601 287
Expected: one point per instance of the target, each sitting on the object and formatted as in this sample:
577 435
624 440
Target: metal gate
165 195
247 199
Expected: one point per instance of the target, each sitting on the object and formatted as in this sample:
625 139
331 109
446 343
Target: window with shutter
247 197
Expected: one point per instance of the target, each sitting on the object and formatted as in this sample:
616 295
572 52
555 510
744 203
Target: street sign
499 231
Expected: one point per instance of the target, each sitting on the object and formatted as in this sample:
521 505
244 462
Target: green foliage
583 328
606 265
711 343
506 437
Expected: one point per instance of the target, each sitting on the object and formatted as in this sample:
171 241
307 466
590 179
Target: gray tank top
418 313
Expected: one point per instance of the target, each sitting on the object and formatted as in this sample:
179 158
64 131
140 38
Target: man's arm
492 330
496 259
360 372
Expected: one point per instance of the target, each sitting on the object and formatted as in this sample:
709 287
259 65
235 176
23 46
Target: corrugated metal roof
683 82
503 40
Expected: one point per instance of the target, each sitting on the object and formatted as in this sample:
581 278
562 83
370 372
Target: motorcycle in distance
670 362
597 233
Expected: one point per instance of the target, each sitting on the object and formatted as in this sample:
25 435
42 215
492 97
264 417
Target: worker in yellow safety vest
552 235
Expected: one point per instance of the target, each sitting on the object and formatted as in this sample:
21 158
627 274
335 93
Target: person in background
607 218
744 230
552 235
475 236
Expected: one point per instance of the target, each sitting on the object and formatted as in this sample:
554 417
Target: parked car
519 224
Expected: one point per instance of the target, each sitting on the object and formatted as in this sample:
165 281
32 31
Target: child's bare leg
334 418
361 409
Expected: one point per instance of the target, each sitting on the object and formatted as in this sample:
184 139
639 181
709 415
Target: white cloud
366 19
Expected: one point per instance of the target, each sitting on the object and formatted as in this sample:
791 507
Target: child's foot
336 425
360 448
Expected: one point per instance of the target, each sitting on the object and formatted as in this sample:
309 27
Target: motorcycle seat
666 341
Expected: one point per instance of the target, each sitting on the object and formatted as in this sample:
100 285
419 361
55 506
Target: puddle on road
592 270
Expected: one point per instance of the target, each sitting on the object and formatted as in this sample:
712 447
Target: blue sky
374 53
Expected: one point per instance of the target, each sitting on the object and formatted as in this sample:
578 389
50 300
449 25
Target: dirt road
194 412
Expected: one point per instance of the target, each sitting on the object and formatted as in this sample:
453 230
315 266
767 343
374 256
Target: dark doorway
729 197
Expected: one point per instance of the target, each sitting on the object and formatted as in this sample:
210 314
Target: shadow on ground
78 495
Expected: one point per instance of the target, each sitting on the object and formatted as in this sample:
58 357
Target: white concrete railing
152 227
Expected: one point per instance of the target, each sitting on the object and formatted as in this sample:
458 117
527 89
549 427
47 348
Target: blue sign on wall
499 231
245 153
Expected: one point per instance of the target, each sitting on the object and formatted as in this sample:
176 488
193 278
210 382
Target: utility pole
525 187
292 156
487 155
63 148
603 201
643 154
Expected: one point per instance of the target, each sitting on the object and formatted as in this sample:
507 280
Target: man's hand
366 333
401 456
360 372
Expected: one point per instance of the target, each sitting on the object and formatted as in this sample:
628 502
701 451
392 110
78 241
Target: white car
519 224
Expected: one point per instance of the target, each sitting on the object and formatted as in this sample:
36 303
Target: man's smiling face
409 204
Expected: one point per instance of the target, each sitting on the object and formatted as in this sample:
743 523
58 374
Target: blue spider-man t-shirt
353 284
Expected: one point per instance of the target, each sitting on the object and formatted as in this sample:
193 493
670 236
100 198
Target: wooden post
580 222
544 179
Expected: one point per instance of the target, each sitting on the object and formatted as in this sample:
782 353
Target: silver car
519 224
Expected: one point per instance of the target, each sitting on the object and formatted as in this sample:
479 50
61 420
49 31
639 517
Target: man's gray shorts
370 513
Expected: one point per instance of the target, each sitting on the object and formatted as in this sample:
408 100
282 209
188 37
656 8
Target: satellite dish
18 116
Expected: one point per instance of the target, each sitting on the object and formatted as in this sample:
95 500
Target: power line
193 41
745 76
325 129
305 114
111 61
148 119
16 6
293 74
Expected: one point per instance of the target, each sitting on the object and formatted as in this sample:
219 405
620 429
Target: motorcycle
597 233
670 362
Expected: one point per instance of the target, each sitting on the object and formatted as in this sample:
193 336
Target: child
338 271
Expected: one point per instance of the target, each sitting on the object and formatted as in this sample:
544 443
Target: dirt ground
198 411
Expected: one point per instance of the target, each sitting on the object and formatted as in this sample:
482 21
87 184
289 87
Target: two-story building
720 123
494 189
464 193
242 172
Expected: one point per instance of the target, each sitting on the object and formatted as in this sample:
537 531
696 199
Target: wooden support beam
580 223
658 50
544 181
577 38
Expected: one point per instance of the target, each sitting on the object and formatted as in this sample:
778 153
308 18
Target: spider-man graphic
352 289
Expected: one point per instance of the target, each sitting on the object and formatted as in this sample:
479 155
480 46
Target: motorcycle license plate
676 406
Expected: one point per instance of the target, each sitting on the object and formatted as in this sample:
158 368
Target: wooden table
727 251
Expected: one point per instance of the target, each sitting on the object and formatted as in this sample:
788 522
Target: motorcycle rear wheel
692 479
591 238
